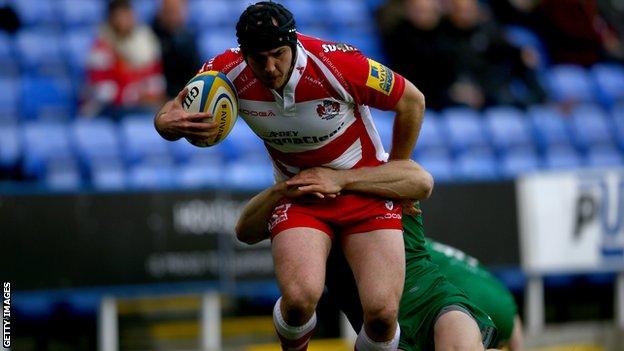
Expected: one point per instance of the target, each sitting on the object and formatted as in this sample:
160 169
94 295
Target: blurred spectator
519 12
124 67
179 49
9 21
574 32
415 49
487 68
613 12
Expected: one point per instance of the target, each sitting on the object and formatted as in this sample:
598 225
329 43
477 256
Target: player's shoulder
328 49
224 62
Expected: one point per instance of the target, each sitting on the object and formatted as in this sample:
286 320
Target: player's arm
409 110
172 122
252 227
398 180
373 84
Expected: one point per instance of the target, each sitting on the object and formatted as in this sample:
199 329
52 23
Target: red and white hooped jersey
322 118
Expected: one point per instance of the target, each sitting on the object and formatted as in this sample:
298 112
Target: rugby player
309 99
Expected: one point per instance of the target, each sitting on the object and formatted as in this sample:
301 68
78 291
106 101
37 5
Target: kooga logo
252 113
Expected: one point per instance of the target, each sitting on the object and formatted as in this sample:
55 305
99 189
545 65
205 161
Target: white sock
364 343
292 337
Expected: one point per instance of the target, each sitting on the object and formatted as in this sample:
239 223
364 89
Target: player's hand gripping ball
212 92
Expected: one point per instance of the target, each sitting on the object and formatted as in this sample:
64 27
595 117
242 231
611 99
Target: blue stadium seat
243 143
518 162
609 80
81 12
108 175
431 135
248 175
183 151
562 157
307 13
40 52
8 62
140 140
476 165
10 146
464 129
590 125
604 156
570 83
321 30
367 41
523 37
214 42
349 13
618 118
37 12
9 100
95 139
63 174
207 16
549 125
508 128
153 174
46 98
200 174
76 47
145 10
439 164
44 142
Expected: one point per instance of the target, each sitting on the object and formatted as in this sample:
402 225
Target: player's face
272 67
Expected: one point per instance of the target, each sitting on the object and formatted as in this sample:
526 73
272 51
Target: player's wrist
347 178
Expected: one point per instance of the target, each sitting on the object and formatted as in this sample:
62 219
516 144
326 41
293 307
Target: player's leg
456 330
377 259
516 342
299 256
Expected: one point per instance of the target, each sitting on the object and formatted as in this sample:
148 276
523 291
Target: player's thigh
299 256
456 330
377 259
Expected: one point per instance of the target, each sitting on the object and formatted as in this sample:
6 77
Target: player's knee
299 301
455 331
381 318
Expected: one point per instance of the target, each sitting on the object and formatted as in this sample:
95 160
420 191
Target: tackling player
433 311
309 99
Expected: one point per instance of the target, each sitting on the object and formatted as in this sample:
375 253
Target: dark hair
264 26
114 5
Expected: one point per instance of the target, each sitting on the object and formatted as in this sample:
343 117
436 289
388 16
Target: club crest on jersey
328 109
389 205
380 77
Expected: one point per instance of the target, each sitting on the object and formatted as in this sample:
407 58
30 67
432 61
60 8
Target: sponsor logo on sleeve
380 77
338 47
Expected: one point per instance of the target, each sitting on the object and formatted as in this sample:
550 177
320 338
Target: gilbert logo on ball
212 92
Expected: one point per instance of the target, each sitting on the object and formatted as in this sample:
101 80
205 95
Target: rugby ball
212 92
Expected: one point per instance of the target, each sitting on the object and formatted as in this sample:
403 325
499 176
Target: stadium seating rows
456 144
42 70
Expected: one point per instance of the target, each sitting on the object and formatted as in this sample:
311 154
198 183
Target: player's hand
318 181
177 123
411 208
